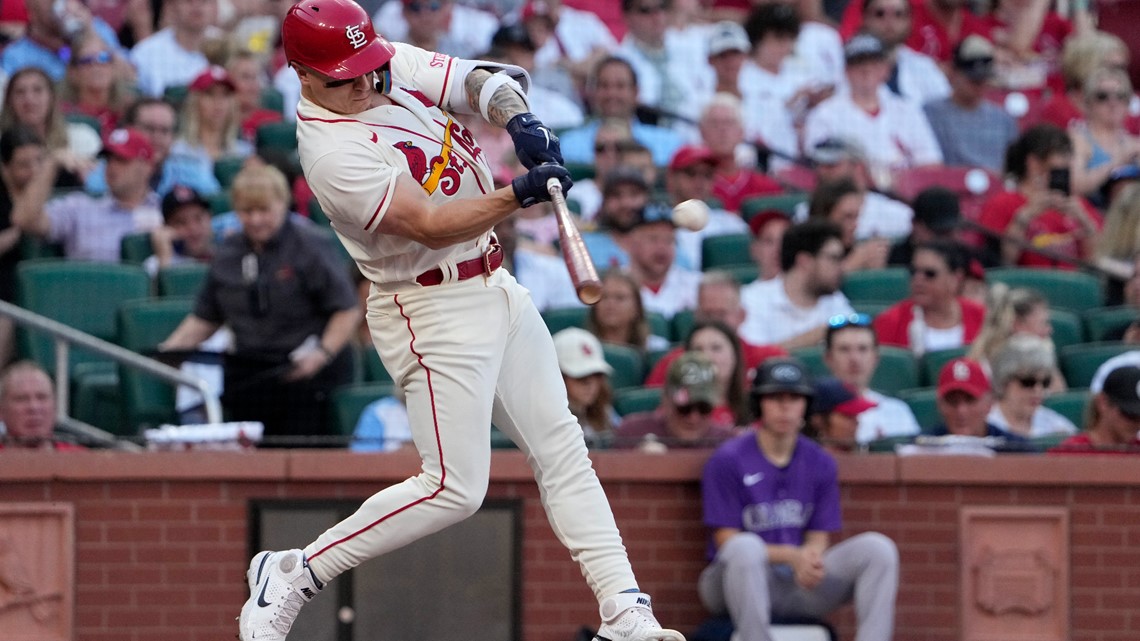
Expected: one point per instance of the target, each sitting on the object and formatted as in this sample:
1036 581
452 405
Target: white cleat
279 584
629 617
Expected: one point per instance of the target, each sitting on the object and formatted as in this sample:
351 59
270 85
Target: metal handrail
64 336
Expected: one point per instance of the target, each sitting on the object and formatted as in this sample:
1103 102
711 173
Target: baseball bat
582 271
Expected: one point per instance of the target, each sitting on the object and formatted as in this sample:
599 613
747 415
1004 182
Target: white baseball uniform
466 351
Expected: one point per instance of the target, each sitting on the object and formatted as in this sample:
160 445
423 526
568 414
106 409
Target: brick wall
162 538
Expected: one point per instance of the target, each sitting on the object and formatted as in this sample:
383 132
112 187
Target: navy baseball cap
655 212
833 395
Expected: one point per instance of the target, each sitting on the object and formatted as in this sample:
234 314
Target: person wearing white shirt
893 131
661 58
792 310
173 56
851 353
666 288
690 177
565 35
914 76
1022 375
512 44
466 30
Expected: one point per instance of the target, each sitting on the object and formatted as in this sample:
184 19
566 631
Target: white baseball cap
728 36
580 353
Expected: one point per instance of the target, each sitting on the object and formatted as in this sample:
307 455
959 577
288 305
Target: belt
484 265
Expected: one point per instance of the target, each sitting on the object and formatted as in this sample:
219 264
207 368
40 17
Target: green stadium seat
84 119
886 445
637 399
1103 321
225 169
374 371
930 363
728 249
182 280
348 401
277 135
897 369
500 441
580 171
652 357
743 274
1071 404
658 325
628 364
32 248
683 323
176 95
271 99
143 324
317 213
890 284
1080 362
220 203
135 248
1068 329
1048 441
1067 290
563 317
924 403
871 308
786 203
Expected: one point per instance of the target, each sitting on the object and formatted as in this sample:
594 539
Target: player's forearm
415 217
505 103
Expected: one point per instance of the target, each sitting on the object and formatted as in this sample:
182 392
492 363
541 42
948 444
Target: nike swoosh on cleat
261 602
262 567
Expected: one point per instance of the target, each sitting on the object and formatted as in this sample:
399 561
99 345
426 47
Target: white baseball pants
468 353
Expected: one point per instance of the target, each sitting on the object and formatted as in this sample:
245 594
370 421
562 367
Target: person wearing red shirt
27 407
722 130
936 316
937 25
1039 212
1114 417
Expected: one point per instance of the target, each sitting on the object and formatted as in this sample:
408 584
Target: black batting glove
534 142
530 188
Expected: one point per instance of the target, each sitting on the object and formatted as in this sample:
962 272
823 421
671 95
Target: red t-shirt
753 356
1051 230
927 35
1082 444
893 324
733 190
1061 111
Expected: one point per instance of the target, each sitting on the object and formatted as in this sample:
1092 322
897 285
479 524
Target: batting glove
530 188
534 142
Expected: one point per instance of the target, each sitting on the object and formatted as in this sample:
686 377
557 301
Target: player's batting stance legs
410 195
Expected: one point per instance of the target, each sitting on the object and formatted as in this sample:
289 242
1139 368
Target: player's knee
465 498
881 551
744 549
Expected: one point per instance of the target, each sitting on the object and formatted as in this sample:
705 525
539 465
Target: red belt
484 265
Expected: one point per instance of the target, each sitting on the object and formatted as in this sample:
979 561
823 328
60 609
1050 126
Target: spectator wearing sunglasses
463 30
964 401
1113 417
1023 373
98 83
851 354
914 76
936 316
791 310
1011 312
1102 144
684 417
771 505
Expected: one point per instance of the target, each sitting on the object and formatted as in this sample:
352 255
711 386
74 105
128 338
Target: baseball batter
409 193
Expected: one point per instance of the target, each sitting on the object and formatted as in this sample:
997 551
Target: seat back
83 295
924 404
348 401
277 135
1071 404
877 285
1080 362
135 248
1068 329
143 324
931 363
637 399
182 280
1065 290
628 364
898 369
728 249
563 317
786 203
1101 323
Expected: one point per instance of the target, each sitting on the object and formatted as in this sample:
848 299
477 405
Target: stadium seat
563 317
143 324
1067 328
182 280
220 203
871 308
652 357
924 403
348 401
32 247
135 248
580 171
84 119
1065 290
930 363
683 322
786 203
628 364
1103 321
272 99
887 444
374 371
729 249
176 95
743 274
897 369
1048 441
225 169
317 214
877 285
637 399
1071 404
1080 362
277 135
658 325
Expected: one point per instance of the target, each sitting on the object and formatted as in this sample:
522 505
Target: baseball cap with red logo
212 76
690 155
128 144
833 395
580 353
963 375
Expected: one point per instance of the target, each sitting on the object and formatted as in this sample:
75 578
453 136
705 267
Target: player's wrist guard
534 142
530 188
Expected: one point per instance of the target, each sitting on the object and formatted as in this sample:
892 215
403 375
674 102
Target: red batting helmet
334 37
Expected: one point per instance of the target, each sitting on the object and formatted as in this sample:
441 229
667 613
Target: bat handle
554 188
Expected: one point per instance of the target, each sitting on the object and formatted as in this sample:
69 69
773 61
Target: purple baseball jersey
742 489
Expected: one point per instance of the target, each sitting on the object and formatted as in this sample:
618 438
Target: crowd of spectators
803 133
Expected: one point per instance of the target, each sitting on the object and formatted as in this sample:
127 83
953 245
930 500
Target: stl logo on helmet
355 36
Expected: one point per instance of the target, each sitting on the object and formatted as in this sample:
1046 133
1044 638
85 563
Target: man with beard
792 309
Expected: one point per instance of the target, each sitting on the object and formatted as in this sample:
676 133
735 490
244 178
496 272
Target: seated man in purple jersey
771 502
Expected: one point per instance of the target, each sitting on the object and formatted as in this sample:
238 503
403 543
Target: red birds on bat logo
417 160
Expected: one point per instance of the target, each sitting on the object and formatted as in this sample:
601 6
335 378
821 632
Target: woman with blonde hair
1102 144
1013 312
30 100
98 83
1080 56
209 122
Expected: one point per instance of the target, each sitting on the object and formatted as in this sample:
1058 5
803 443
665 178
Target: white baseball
691 214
